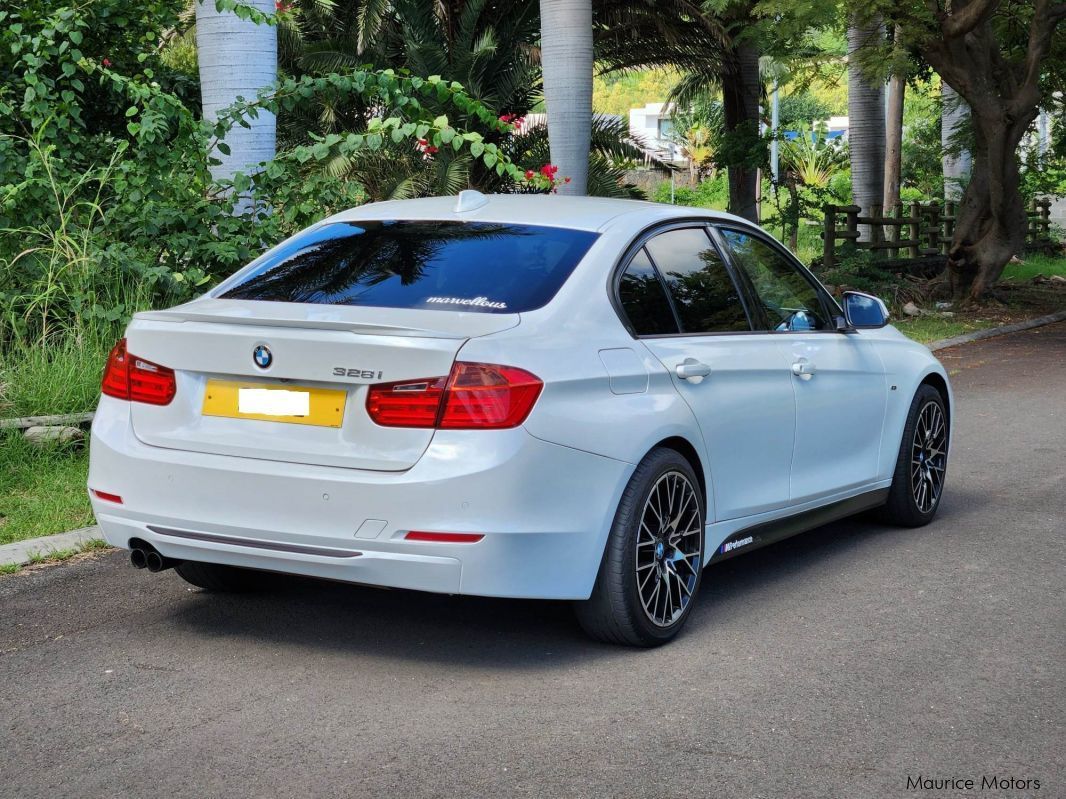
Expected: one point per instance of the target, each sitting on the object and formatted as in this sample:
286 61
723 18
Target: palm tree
712 53
566 62
866 122
237 58
490 48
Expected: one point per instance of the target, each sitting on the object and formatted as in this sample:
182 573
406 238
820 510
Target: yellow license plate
322 407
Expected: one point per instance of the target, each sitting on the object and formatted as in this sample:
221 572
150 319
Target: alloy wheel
669 548
928 457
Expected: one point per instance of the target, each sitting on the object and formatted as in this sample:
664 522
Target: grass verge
1020 295
63 377
42 490
56 556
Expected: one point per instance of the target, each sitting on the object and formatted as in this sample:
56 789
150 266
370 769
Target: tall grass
63 377
42 489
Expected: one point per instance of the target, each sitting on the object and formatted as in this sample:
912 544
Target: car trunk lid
329 351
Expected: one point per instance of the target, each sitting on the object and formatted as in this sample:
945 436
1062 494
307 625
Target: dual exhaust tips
145 556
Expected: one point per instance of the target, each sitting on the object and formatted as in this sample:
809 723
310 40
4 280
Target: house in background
654 126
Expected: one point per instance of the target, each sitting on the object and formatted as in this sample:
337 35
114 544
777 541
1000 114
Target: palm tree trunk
897 87
866 125
566 63
741 92
237 58
956 163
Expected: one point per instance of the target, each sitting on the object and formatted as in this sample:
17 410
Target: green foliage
106 201
713 193
488 48
42 489
617 93
63 377
802 110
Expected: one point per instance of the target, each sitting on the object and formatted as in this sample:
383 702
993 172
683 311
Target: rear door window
704 294
483 267
644 299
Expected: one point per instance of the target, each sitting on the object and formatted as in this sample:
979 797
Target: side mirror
864 310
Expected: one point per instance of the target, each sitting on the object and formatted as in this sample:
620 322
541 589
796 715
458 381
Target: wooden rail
928 227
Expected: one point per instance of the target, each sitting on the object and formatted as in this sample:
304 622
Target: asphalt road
835 664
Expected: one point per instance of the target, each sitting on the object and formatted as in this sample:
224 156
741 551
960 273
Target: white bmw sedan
512 396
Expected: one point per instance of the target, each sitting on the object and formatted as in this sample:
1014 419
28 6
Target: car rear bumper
544 510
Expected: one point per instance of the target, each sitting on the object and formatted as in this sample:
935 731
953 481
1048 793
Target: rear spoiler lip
191 313
306 324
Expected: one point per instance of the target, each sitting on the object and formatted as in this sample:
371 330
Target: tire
922 458
218 578
617 611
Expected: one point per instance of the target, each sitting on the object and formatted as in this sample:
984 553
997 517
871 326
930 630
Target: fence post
852 223
916 230
893 229
829 236
934 226
949 226
877 230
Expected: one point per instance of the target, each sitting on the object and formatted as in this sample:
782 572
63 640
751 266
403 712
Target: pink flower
529 174
506 118
106 62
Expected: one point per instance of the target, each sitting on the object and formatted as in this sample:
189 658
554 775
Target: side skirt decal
760 535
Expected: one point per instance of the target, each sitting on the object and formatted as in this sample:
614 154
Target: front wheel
921 468
652 564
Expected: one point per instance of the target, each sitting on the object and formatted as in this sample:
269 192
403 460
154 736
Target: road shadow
500 633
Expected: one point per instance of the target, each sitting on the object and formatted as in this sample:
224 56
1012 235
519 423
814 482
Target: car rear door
838 378
681 301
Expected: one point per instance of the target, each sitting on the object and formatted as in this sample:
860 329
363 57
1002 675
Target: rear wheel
216 577
921 468
651 568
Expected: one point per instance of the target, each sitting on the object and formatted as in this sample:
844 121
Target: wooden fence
925 231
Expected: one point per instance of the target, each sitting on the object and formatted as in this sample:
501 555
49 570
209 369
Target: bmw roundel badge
262 356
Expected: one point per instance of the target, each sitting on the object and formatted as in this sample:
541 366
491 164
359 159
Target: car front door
681 301
838 377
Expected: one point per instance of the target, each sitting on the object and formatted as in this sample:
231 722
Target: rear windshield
484 267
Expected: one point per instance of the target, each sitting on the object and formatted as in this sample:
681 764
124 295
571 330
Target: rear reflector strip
444 538
106 497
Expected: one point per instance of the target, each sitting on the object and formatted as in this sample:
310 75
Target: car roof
551 210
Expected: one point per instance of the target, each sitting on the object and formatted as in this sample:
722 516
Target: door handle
804 369
690 368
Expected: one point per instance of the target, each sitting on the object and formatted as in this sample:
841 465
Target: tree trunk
741 92
897 87
866 125
237 58
991 222
566 63
956 163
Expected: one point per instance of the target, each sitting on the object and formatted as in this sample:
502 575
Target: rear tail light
474 396
106 496
131 378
